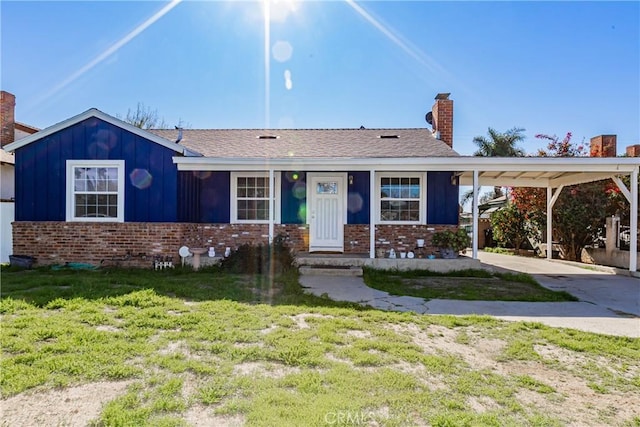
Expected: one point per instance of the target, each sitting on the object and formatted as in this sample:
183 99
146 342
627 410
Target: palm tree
497 145
500 144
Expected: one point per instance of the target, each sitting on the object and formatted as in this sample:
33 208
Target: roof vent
267 137
388 137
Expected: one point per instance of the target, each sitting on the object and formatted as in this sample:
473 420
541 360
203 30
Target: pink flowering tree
580 211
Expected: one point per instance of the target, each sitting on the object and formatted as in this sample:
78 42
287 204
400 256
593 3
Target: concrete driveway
609 303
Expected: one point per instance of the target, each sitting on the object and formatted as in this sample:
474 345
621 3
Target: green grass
498 250
261 351
479 285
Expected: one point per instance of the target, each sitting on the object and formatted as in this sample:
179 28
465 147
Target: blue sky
549 67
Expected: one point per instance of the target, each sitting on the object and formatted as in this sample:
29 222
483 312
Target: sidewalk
609 304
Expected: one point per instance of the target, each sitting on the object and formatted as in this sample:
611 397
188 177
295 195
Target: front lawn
136 348
463 285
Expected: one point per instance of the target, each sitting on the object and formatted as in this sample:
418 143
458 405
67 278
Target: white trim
272 213
619 165
93 112
623 188
512 171
633 226
422 201
233 201
70 192
476 214
372 209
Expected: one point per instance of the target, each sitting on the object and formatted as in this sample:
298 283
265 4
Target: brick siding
443 119
7 118
135 244
404 237
603 146
633 150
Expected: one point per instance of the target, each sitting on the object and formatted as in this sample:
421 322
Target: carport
552 173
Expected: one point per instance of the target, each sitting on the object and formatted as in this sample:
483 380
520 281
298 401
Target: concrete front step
403 264
318 270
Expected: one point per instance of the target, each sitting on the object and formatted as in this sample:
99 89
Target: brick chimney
442 111
633 150
603 146
7 118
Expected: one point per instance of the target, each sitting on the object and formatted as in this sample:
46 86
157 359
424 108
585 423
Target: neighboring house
11 131
94 188
7 185
485 237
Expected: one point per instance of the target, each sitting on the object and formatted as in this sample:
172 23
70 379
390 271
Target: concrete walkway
609 303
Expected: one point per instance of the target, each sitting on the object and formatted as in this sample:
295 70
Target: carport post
549 225
272 190
551 200
476 187
633 242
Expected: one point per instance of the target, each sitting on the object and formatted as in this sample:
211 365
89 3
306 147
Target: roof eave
94 112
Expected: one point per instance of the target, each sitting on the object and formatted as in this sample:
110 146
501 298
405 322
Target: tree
579 212
144 118
500 144
510 225
497 145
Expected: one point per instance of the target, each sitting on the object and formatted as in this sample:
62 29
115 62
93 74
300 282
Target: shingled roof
310 143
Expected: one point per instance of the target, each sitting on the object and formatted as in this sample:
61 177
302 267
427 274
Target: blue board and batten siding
442 198
41 172
174 196
212 202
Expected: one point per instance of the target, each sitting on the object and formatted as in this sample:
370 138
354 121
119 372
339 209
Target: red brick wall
7 118
404 237
135 244
61 242
603 146
443 119
633 150
356 239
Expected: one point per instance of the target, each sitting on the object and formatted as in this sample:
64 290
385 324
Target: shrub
274 258
457 240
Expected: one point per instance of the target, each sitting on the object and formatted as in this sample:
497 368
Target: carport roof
492 171
543 171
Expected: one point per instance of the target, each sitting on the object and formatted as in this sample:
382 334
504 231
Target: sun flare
279 10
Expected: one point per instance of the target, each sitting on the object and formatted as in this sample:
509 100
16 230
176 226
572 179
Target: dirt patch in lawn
580 404
72 406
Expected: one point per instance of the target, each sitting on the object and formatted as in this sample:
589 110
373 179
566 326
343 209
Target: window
330 187
250 197
401 199
95 190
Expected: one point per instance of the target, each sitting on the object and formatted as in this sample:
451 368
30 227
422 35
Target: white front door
327 199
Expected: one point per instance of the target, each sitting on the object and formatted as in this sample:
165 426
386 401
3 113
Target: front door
326 211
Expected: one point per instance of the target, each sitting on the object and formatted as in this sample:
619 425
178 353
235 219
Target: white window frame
422 201
275 193
70 187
